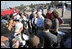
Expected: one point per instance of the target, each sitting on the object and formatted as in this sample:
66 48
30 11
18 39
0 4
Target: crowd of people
36 30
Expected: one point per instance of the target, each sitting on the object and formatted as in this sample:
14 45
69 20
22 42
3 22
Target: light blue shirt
40 21
3 20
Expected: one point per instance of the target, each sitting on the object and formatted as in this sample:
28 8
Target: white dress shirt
35 20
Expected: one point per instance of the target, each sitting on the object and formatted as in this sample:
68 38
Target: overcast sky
7 4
